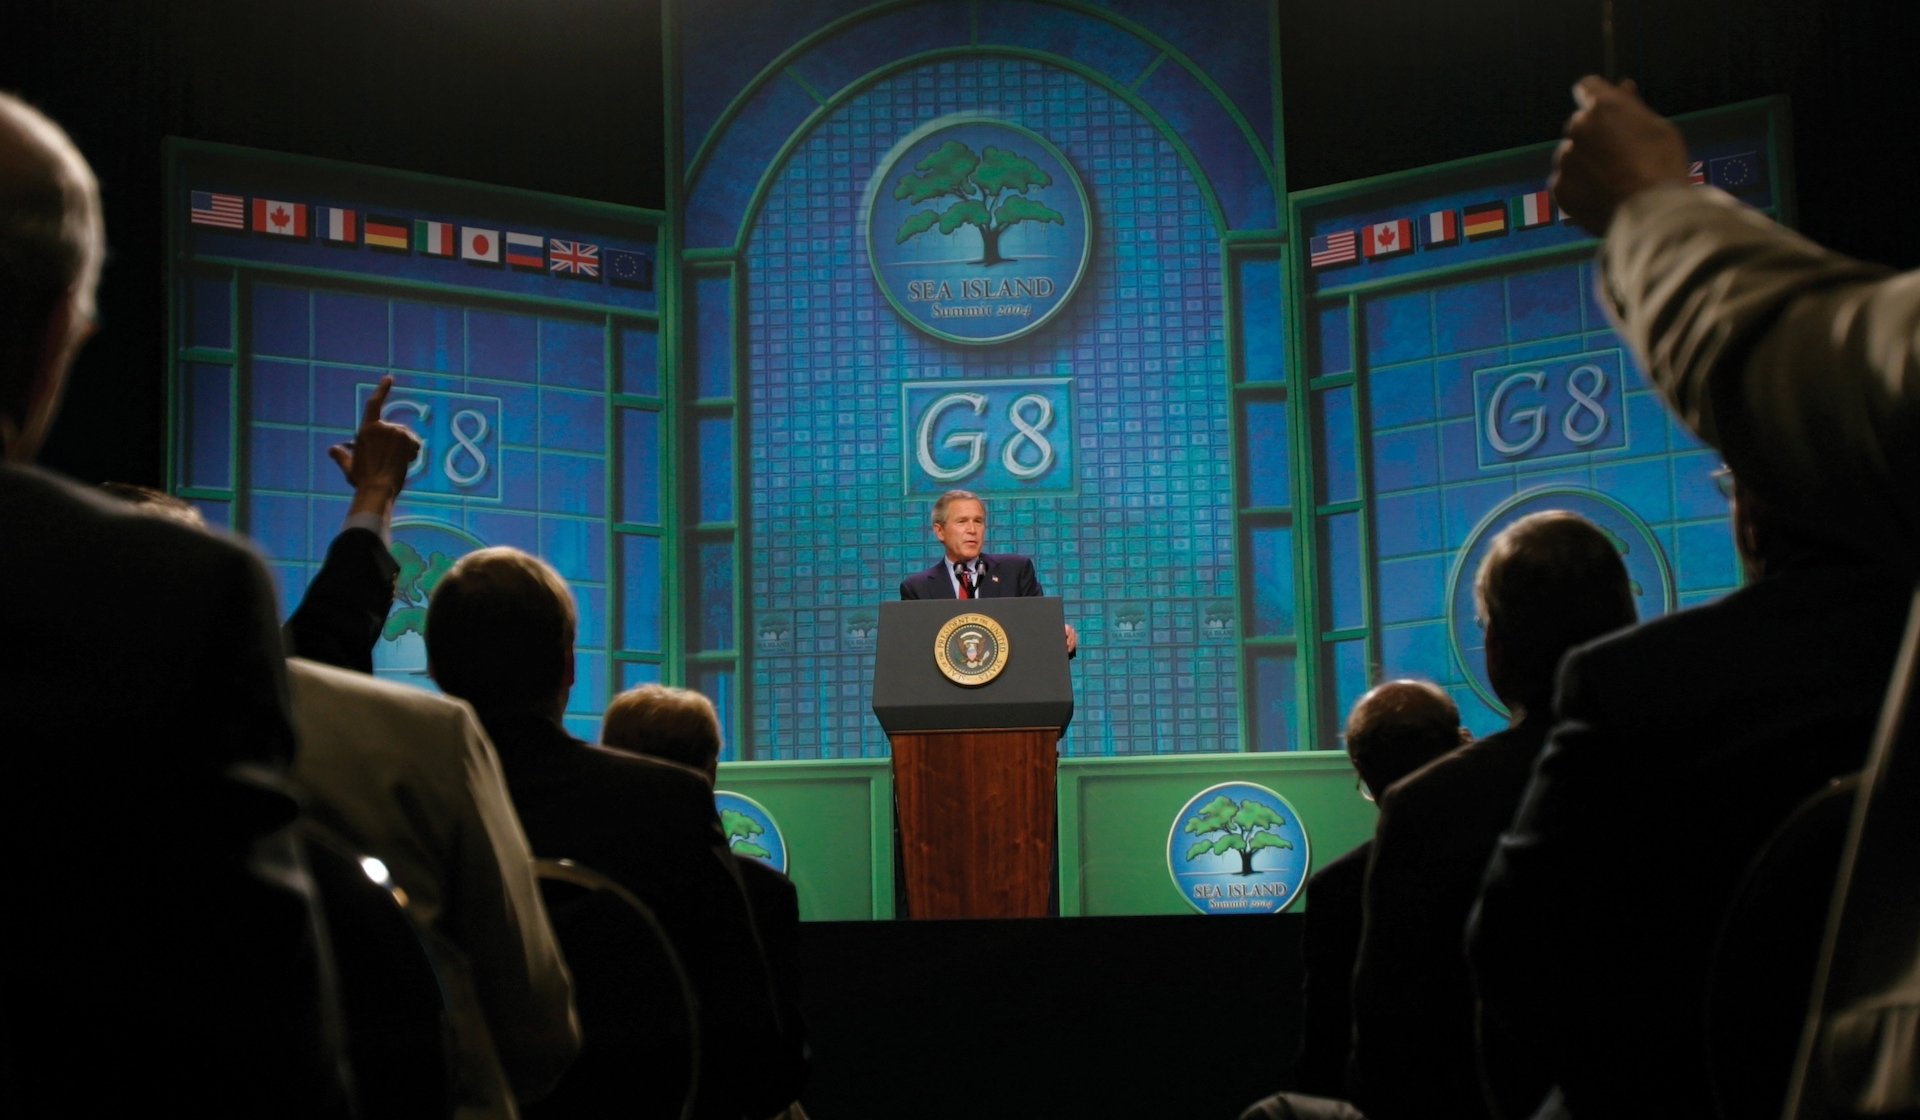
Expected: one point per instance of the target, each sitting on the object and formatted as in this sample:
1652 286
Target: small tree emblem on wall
1245 828
991 192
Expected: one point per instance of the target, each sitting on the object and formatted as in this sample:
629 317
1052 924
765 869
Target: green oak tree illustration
412 588
976 183
1242 828
740 830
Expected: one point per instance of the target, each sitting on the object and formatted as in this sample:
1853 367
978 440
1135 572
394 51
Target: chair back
1859 1051
1766 953
399 1031
639 1015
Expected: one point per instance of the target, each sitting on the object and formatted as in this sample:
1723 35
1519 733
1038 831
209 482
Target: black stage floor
1151 1016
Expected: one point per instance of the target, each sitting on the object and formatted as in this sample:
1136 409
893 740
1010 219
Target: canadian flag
1389 239
287 219
481 245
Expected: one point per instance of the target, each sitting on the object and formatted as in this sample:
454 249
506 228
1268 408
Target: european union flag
628 268
1739 174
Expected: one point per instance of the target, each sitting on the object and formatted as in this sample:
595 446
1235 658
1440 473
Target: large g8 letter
1535 415
975 442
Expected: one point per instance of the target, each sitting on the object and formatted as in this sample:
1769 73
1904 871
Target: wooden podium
975 748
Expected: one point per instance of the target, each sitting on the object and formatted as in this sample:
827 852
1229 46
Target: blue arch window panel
1140 535
1459 372
529 369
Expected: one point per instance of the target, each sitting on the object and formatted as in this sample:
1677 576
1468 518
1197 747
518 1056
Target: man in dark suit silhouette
1393 731
1677 748
163 944
1549 582
965 571
680 725
500 635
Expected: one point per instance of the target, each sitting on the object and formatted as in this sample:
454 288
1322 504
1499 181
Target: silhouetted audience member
680 725
340 616
1392 732
162 945
1549 582
409 777
1678 748
500 635
1795 362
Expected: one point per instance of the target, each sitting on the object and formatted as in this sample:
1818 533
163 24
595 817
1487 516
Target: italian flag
434 238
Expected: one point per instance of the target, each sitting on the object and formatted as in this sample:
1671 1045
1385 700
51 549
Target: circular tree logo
977 230
1237 848
425 549
1646 564
751 831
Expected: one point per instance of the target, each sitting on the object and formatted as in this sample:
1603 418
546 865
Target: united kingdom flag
576 258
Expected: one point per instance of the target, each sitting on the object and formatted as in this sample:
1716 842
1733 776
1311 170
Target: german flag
386 233
1485 219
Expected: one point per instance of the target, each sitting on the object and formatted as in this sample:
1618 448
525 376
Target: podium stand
974 760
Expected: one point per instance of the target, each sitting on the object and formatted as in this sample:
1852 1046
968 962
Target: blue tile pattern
313 352
1143 340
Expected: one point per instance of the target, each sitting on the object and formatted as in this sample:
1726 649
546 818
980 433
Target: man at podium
966 572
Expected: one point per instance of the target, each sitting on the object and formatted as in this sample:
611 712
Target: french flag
337 225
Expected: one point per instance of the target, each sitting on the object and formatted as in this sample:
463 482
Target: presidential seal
971 649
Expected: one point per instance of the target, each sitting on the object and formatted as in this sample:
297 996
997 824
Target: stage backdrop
1016 248
1039 250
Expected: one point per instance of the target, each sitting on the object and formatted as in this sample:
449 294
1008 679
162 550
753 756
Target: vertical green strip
1236 376
1306 617
672 349
616 457
1279 129
742 494
1363 490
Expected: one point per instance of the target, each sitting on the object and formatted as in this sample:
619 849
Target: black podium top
1031 688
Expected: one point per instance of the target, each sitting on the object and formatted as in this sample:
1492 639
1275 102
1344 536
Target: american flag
1333 248
574 256
224 211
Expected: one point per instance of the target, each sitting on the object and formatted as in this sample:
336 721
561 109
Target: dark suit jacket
1330 945
776 910
1006 575
1679 746
1413 1004
340 617
162 924
652 827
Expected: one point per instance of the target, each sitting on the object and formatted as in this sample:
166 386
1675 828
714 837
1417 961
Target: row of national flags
498 248
1442 229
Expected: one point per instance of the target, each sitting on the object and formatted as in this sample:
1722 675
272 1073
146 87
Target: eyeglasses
1723 482
1361 785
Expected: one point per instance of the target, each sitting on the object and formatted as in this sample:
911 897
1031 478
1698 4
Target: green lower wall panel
837 821
1116 815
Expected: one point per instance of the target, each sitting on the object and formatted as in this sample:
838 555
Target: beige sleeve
1802 366
500 920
